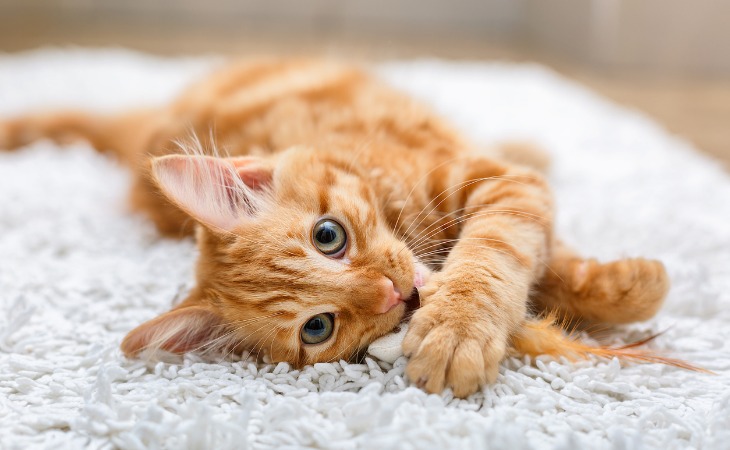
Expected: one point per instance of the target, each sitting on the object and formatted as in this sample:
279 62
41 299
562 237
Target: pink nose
392 296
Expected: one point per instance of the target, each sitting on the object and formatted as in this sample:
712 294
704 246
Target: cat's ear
178 331
218 192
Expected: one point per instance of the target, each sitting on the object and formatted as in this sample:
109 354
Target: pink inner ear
254 172
219 192
178 331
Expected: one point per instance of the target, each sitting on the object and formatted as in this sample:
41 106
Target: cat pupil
316 325
327 235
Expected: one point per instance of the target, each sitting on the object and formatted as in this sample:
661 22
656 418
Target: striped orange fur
311 144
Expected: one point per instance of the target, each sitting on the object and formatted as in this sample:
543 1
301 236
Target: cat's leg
123 135
584 290
132 137
479 299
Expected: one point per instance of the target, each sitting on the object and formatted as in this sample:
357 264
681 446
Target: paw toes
429 365
417 331
467 372
411 343
493 356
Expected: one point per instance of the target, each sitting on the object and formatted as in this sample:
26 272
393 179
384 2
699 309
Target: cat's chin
395 305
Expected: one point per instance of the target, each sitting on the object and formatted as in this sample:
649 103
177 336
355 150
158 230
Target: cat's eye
318 328
329 237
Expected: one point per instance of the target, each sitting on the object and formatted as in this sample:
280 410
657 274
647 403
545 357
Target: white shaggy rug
77 272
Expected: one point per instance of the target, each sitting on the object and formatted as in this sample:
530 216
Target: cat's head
296 260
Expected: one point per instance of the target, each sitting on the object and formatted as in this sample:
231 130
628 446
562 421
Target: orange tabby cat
317 229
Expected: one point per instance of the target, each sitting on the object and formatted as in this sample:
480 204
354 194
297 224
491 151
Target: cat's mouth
413 302
420 278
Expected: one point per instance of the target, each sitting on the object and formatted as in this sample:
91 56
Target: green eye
318 328
329 237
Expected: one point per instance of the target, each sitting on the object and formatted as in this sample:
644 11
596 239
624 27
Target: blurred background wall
679 36
669 58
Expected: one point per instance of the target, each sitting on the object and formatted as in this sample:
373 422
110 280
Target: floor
697 109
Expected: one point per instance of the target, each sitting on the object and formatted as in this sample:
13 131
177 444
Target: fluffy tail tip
545 337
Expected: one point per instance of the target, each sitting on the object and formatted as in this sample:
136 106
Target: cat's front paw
453 345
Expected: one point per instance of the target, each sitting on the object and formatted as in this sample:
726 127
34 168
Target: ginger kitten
339 201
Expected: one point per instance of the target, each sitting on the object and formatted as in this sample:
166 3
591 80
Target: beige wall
419 16
671 36
679 36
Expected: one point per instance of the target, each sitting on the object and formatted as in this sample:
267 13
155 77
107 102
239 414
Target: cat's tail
544 336
121 135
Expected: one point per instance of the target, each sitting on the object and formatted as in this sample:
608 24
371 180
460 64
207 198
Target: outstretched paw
451 346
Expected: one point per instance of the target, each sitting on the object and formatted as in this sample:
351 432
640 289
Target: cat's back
268 105
240 85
